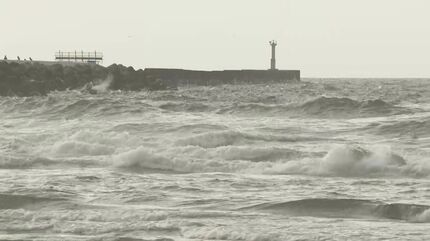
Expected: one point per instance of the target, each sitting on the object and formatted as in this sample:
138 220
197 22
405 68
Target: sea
320 159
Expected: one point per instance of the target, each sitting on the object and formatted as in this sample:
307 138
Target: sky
322 38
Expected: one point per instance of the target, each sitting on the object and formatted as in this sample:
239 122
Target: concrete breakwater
39 78
194 77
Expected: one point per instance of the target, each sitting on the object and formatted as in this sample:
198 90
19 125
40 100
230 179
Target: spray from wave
102 86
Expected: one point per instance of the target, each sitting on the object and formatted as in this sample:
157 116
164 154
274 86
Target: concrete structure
194 77
273 43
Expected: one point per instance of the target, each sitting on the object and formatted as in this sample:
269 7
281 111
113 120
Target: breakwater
27 78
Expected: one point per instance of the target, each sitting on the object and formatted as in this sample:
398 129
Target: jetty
76 70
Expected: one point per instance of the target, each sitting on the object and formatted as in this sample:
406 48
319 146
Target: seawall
194 77
27 78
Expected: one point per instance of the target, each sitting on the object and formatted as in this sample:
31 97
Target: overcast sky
323 38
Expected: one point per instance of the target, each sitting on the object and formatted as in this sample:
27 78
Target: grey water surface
315 160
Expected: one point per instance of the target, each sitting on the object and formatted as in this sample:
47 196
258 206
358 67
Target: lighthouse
273 43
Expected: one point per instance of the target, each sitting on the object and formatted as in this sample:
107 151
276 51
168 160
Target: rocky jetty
34 78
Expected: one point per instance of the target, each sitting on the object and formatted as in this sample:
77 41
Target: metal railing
79 56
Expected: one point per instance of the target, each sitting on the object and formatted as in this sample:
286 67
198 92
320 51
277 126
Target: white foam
103 85
354 161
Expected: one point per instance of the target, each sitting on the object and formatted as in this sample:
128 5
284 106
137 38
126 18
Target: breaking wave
219 151
356 161
341 161
349 208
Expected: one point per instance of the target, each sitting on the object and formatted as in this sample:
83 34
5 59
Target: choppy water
317 160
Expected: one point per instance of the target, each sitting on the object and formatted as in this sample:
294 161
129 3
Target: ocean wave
25 162
214 139
92 107
81 149
231 137
185 106
348 208
323 107
73 104
197 128
255 108
151 160
229 233
13 162
340 161
88 142
412 128
224 151
195 159
257 154
12 201
355 161
337 107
